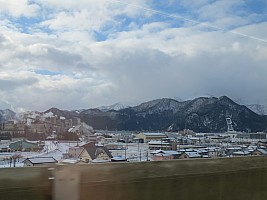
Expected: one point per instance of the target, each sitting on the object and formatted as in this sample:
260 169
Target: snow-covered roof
100 161
201 151
158 143
252 147
241 153
194 138
94 150
70 161
234 148
41 160
162 155
165 152
172 152
155 134
263 151
3 146
193 154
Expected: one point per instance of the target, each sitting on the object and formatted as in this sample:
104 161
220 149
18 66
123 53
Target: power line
175 16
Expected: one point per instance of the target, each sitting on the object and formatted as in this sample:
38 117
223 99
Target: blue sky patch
47 72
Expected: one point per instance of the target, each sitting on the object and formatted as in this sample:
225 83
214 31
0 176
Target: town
49 139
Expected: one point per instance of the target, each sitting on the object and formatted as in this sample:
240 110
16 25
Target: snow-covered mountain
7 114
257 108
203 114
116 106
30 116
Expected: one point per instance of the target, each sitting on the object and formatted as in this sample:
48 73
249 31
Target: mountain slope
259 109
6 115
201 114
116 106
63 113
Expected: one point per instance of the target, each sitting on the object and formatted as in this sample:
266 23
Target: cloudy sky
74 54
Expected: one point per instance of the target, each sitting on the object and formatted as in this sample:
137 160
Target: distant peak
53 109
225 98
116 106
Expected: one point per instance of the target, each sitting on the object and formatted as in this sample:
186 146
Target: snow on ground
134 152
51 149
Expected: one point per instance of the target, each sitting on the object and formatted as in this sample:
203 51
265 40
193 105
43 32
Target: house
231 150
162 156
91 152
39 161
146 137
24 145
241 153
190 154
259 152
157 145
165 155
10 129
203 152
74 152
215 152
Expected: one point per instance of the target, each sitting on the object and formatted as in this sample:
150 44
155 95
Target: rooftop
41 160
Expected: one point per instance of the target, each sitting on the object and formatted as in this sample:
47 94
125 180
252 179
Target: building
230 150
216 152
253 136
74 152
114 146
159 145
259 152
39 161
241 153
192 154
93 153
10 129
24 145
160 155
146 137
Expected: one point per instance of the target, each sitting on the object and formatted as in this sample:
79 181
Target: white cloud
19 8
150 59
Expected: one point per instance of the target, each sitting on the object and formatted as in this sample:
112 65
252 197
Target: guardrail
204 179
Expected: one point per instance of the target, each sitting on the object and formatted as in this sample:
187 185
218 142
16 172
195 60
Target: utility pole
10 161
126 146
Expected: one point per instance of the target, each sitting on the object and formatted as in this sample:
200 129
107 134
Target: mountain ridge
202 114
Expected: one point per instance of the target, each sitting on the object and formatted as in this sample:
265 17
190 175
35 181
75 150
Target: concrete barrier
204 179
226 178
25 183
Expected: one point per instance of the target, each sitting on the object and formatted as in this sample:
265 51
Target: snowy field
51 149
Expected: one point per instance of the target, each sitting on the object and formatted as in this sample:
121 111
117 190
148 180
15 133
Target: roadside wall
204 179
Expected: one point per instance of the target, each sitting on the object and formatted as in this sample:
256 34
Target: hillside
201 114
